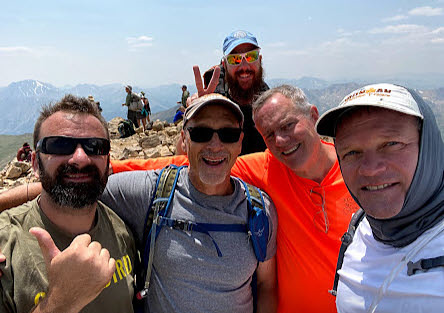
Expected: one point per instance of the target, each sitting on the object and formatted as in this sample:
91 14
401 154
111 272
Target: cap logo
240 34
369 92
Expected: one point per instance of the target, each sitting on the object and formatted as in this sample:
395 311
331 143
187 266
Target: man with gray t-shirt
188 275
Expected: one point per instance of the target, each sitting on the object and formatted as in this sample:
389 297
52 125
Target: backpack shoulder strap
258 224
159 205
346 239
254 196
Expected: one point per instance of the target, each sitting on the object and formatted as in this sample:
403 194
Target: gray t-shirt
188 275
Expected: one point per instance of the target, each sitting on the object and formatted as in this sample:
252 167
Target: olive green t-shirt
24 282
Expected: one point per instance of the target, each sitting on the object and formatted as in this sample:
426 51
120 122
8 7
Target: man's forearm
266 287
19 195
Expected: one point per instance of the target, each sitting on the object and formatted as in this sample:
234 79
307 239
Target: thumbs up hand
76 275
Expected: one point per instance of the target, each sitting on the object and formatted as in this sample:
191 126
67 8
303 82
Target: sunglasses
62 145
204 134
236 59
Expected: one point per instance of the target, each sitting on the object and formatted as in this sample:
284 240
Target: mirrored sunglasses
62 145
204 134
236 59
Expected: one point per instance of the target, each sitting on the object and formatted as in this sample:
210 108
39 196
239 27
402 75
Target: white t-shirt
367 263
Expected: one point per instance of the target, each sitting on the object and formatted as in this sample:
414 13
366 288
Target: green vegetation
9 144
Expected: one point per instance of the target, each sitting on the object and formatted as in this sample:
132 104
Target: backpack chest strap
204 228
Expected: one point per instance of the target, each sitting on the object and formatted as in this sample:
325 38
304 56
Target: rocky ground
159 141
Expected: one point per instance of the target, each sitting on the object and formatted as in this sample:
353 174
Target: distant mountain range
21 101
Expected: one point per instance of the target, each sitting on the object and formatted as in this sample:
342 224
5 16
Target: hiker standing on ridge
392 158
134 106
185 95
146 111
65 251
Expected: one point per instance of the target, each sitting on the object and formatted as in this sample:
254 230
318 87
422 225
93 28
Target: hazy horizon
157 43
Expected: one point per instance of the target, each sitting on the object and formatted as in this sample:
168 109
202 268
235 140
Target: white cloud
438 31
399 29
395 18
426 11
139 42
343 33
437 40
15 50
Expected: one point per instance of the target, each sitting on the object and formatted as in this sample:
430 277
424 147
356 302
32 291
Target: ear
183 143
35 164
314 114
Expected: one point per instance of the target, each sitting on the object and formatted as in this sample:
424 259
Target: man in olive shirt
65 251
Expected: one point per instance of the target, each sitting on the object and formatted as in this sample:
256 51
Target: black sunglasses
204 134
67 145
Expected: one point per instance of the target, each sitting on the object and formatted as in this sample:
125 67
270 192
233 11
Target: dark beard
247 96
73 195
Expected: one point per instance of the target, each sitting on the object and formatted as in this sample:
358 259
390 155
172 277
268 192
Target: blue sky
150 43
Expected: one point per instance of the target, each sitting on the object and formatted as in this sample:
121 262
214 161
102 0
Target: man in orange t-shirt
302 176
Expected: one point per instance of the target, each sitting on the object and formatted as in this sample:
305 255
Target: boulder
158 125
150 141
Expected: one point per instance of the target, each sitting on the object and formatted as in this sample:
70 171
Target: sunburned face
378 152
289 133
211 162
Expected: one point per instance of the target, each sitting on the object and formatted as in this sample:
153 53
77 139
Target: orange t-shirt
306 255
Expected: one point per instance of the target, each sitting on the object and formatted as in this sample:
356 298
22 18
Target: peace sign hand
201 91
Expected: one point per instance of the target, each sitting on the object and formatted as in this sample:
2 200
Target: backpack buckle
183 225
412 267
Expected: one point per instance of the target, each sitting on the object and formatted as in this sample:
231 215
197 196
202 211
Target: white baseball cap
387 96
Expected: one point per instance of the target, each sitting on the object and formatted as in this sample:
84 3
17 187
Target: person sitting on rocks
24 153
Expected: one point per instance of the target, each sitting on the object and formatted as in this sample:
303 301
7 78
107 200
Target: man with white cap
392 159
195 271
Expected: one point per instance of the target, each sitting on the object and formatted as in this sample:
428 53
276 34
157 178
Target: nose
243 63
215 143
79 157
371 164
281 138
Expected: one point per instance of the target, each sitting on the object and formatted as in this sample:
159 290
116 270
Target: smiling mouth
291 150
377 187
78 177
213 162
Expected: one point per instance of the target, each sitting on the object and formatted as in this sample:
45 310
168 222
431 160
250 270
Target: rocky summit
159 141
